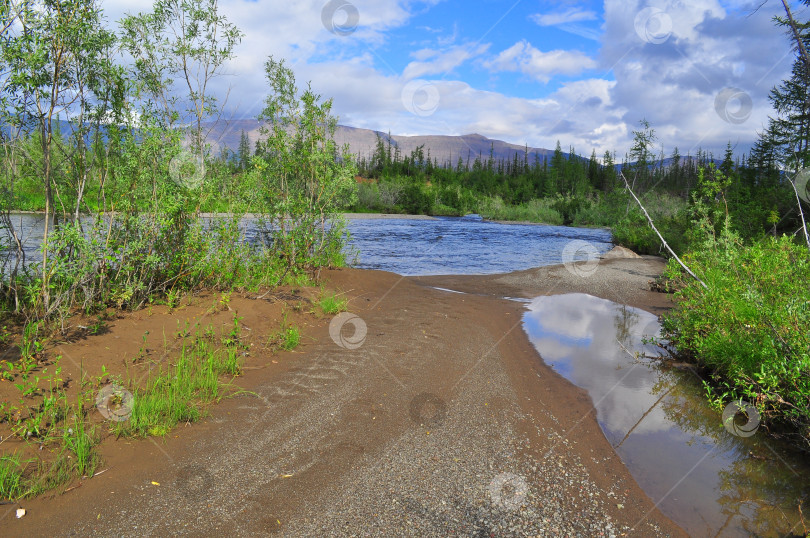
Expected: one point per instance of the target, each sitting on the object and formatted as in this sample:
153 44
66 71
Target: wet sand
442 421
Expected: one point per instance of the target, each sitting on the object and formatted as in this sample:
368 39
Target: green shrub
750 326
539 210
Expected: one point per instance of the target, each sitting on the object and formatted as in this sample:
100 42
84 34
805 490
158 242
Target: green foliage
537 210
332 304
301 178
287 337
80 440
12 476
750 327
291 337
186 41
181 391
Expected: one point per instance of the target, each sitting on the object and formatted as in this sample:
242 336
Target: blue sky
535 72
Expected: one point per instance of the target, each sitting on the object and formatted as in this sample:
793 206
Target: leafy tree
181 43
52 62
304 177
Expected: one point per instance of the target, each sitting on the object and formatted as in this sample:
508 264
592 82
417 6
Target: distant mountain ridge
362 142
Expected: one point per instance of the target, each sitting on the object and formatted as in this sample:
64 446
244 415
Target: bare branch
652 225
801 213
796 35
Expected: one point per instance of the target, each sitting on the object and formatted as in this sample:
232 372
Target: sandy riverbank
424 429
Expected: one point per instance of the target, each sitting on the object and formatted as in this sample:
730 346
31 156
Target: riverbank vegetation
747 320
104 131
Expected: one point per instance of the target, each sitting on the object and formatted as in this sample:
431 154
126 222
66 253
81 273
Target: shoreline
253 215
375 216
402 435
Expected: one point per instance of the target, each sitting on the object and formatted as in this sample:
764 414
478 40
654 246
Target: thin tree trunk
652 225
801 213
796 35
46 161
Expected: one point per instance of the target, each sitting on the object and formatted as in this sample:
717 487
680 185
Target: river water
443 245
464 246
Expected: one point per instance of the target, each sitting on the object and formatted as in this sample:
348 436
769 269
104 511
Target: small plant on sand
332 304
99 326
291 338
12 482
142 351
181 391
232 338
287 338
80 440
173 298
30 345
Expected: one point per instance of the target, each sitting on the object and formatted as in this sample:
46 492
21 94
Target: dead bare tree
801 213
661 237
794 30
797 37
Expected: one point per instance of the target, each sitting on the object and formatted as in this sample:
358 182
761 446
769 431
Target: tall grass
181 391
12 483
178 391
332 304
80 440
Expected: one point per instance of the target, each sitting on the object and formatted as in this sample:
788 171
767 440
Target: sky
524 71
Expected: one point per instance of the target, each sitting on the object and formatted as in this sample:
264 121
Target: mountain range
362 142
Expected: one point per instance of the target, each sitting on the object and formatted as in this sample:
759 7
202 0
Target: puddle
710 482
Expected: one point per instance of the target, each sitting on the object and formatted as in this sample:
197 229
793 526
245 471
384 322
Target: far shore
350 216
374 216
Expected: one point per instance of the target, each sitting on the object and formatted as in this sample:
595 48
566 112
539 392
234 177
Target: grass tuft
332 304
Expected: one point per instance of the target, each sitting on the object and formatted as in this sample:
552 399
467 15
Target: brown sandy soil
443 422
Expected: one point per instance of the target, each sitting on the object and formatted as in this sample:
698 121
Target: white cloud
562 17
432 62
673 80
581 30
672 84
525 58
